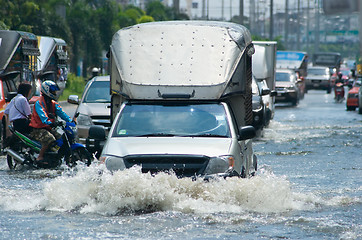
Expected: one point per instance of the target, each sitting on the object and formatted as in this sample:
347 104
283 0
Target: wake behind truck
181 99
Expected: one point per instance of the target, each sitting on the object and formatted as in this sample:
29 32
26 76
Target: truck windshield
196 120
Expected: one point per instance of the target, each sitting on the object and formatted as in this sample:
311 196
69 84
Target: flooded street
308 186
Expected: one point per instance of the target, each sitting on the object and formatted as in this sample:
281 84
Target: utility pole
222 10
241 12
316 40
298 24
286 27
271 28
176 6
308 7
207 15
203 10
231 8
252 21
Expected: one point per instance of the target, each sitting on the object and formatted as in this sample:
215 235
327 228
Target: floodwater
308 186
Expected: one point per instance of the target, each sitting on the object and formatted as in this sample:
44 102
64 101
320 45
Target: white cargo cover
178 59
264 59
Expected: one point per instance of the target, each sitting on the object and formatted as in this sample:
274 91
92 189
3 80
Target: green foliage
145 19
87 27
75 86
157 10
3 26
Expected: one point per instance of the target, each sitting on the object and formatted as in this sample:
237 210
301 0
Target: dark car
286 86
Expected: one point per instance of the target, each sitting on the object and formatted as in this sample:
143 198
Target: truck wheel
329 90
360 109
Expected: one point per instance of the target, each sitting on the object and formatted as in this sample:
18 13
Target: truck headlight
219 164
113 163
83 119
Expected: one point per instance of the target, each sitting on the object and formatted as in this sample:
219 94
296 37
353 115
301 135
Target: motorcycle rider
43 117
338 86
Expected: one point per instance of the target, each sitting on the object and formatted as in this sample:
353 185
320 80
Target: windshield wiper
157 135
206 135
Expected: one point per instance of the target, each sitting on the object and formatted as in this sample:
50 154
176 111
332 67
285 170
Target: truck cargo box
183 60
264 61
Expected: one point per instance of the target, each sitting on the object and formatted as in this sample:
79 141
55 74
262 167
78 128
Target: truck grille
181 165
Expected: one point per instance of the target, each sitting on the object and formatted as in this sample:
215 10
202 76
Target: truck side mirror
265 91
247 132
73 99
96 139
97 132
273 93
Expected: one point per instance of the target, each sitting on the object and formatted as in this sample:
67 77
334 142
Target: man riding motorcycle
42 120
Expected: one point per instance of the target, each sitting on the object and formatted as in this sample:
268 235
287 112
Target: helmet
95 70
50 88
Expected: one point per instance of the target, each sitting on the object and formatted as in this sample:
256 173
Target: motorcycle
339 92
24 150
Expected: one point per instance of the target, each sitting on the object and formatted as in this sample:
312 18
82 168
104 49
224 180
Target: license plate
316 85
339 90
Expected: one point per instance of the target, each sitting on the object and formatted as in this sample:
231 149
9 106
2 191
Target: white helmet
50 88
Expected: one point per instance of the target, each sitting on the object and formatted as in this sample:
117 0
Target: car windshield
318 71
283 77
98 92
196 120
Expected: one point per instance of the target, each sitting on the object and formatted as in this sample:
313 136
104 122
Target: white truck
264 64
181 99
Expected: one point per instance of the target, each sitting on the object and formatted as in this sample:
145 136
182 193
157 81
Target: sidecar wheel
80 154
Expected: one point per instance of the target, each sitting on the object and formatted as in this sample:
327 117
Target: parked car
352 96
286 86
94 106
319 78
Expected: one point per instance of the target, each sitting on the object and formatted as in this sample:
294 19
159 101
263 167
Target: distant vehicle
319 78
286 86
332 60
93 107
352 96
298 62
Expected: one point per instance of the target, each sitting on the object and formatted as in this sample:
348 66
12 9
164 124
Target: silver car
94 106
319 78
